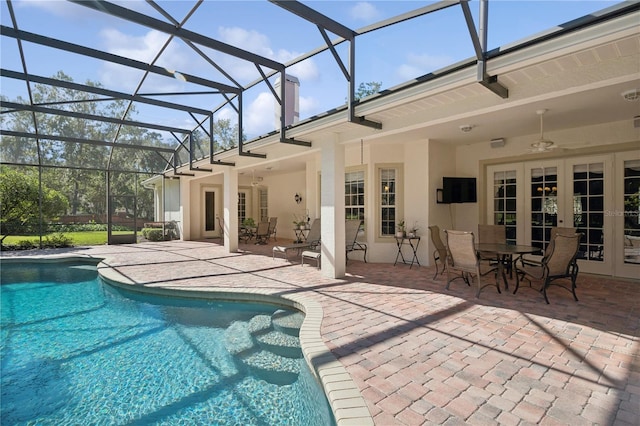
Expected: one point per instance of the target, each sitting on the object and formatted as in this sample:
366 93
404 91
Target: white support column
230 210
185 208
332 210
311 178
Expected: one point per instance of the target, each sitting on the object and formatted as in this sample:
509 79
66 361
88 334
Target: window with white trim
354 195
388 200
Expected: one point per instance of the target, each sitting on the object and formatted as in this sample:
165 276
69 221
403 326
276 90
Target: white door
590 184
544 186
626 214
211 209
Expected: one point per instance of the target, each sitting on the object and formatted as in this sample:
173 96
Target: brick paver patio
422 355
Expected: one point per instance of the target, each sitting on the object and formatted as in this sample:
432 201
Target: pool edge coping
345 399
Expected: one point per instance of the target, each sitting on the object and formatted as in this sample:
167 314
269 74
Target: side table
413 243
301 235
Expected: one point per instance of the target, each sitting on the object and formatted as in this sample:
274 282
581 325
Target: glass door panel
544 204
505 202
631 213
505 196
591 185
588 209
624 212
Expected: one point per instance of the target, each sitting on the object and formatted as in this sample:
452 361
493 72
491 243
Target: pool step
287 322
268 346
273 368
280 343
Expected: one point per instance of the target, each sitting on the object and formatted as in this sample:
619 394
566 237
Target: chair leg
544 290
435 262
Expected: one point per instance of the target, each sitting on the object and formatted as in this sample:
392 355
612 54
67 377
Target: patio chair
314 255
440 252
351 230
547 252
560 263
494 234
463 258
273 225
262 233
313 241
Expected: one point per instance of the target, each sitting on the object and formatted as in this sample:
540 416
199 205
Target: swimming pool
78 351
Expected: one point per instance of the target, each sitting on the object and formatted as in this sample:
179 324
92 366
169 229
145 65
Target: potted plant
401 229
249 223
413 232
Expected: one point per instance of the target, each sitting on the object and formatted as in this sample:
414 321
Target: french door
531 197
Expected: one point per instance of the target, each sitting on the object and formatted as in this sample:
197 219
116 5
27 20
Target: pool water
78 351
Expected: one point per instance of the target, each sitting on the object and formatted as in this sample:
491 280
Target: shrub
57 240
77 227
153 234
26 245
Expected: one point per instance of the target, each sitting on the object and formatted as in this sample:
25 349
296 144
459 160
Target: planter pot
399 234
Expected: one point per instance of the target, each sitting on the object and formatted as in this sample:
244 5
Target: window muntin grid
354 195
504 202
388 199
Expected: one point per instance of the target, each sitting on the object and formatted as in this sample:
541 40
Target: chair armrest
528 262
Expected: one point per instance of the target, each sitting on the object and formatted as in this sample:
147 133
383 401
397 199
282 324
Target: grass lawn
84 238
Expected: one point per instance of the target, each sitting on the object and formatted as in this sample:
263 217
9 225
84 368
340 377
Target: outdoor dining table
505 253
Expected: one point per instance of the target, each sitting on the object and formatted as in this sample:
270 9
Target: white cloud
308 106
142 48
255 42
418 65
260 115
364 11
305 71
252 41
227 113
58 8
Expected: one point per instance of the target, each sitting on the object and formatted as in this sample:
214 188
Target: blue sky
390 56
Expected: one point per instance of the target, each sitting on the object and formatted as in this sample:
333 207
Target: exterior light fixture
466 128
542 144
631 95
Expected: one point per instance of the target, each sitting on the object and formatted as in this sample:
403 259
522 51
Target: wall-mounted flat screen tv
459 190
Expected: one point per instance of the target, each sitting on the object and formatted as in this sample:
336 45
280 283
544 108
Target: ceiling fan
542 144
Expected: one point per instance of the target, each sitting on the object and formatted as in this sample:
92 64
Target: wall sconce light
298 198
466 128
631 95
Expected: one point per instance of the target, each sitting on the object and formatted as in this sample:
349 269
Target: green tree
367 89
225 134
78 169
20 202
